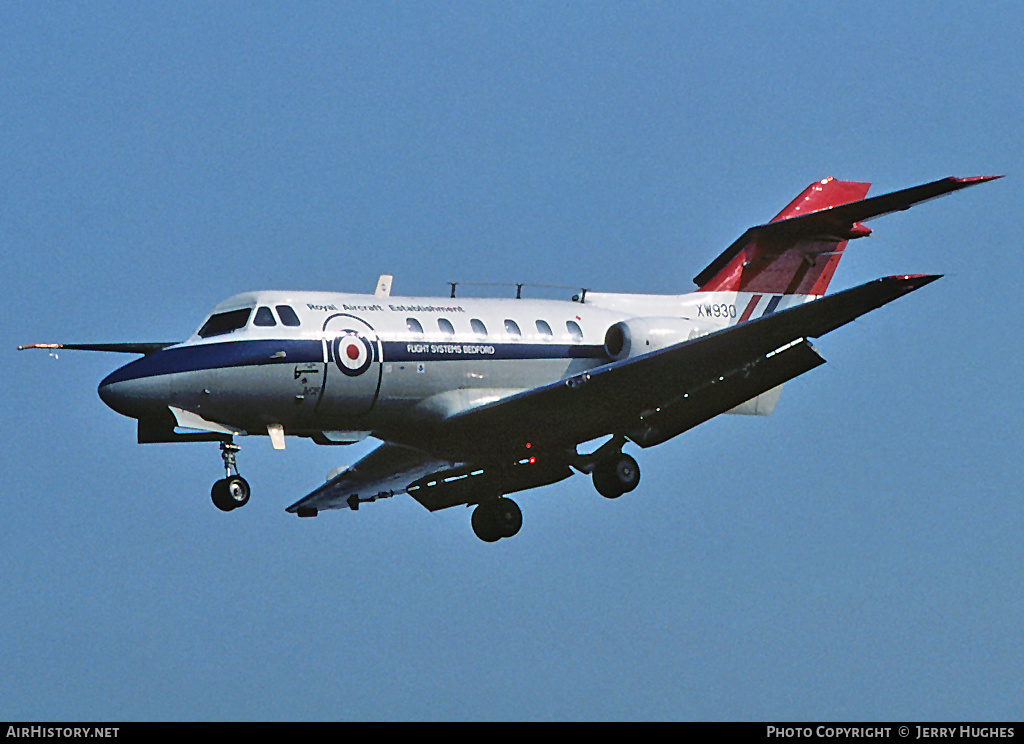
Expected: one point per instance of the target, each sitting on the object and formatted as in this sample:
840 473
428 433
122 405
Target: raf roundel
352 353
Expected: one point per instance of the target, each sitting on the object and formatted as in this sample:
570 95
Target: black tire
484 525
616 476
219 495
230 493
605 483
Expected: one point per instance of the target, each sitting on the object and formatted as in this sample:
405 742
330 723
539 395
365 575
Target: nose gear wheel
232 491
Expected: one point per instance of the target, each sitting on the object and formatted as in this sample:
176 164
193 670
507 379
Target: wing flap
469 484
725 392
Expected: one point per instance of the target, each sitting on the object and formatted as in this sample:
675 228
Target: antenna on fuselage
383 286
581 297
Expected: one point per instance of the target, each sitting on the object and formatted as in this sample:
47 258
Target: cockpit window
287 315
221 323
264 317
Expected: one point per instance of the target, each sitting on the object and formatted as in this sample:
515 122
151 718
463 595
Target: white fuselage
340 366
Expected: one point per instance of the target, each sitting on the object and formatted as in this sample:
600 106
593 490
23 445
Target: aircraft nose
138 389
117 394
132 390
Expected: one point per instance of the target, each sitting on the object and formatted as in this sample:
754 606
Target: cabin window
543 328
478 327
414 326
446 326
287 315
221 323
264 317
574 330
511 328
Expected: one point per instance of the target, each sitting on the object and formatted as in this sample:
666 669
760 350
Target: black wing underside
387 470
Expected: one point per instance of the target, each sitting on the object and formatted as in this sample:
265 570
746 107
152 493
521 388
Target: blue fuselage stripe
219 356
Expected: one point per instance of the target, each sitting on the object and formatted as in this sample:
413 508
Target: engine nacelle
636 336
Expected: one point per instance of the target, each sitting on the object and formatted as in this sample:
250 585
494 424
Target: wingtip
971 180
914 281
40 346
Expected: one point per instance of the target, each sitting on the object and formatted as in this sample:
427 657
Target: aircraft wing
531 436
387 470
655 396
145 347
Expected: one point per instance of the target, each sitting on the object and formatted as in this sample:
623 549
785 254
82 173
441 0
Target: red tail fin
782 261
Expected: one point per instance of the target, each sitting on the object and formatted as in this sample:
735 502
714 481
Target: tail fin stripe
750 308
771 306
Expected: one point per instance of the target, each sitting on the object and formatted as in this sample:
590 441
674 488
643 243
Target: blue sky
856 556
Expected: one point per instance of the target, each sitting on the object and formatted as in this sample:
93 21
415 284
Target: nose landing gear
232 491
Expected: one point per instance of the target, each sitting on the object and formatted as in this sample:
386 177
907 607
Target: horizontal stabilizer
798 251
896 201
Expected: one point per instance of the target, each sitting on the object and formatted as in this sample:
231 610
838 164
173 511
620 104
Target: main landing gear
497 518
614 472
614 476
232 491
